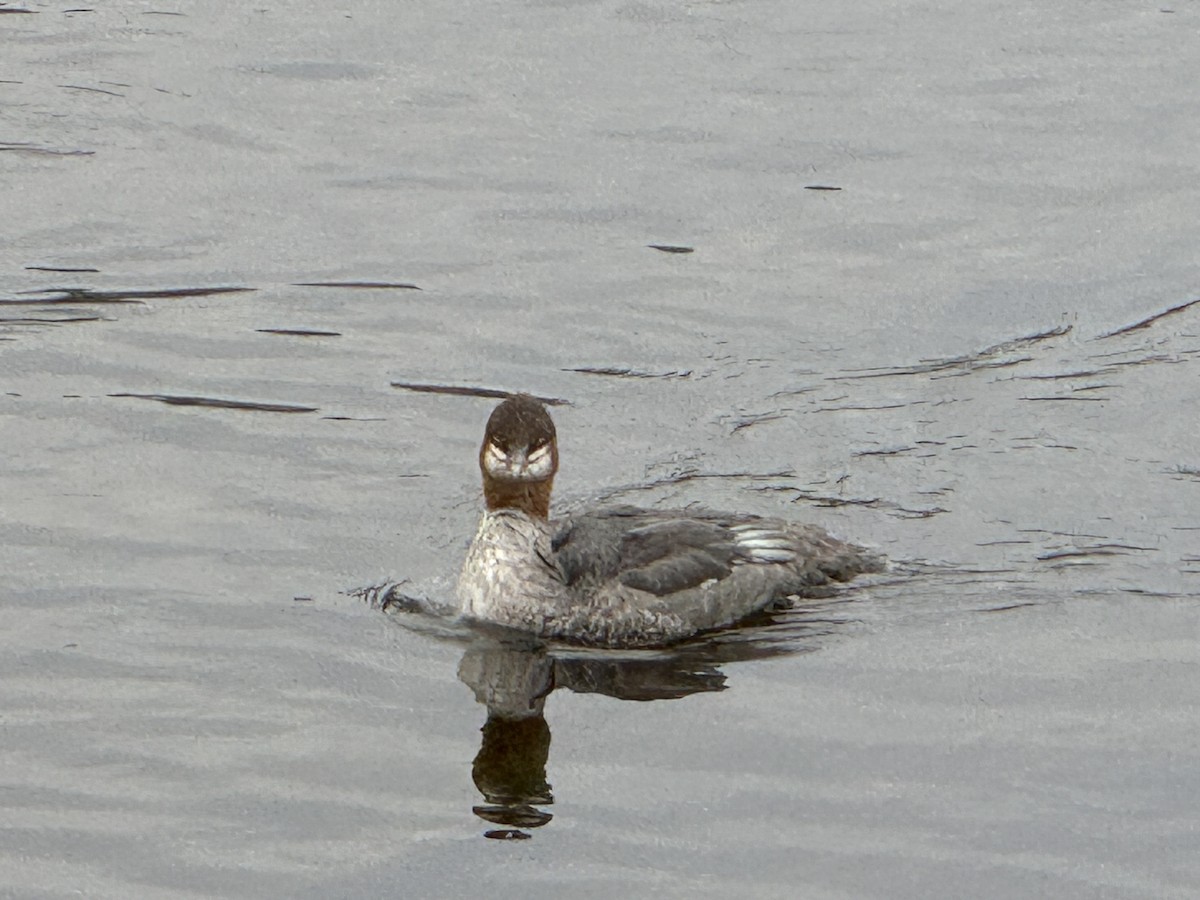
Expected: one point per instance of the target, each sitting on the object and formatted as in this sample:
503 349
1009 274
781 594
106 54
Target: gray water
937 359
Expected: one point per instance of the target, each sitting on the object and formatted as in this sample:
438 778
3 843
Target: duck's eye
539 452
495 452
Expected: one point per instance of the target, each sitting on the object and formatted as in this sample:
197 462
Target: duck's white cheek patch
495 460
541 463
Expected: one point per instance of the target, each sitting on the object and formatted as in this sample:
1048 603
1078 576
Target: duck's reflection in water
512 675
513 682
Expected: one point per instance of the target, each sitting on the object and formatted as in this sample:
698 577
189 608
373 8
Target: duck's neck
531 497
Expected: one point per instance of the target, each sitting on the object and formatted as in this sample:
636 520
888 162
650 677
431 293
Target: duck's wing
587 546
663 552
649 577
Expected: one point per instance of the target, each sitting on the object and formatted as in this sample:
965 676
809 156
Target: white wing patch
761 544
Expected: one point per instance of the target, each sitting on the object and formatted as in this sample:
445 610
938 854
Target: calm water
937 359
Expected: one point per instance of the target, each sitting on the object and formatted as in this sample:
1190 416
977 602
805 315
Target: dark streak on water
889 506
895 451
1086 373
1149 320
686 475
393 285
1068 397
220 403
87 295
47 320
751 421
457 391
299 332
979 360
619 372
42 151
80 87
61 270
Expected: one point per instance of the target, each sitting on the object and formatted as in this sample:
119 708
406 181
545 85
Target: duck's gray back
649 577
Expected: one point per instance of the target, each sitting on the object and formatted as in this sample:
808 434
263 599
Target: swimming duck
624 576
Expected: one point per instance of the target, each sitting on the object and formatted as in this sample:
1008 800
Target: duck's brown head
519 457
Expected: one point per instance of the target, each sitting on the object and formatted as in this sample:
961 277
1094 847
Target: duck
624 576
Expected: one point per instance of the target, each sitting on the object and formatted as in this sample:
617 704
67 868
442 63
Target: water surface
977 355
